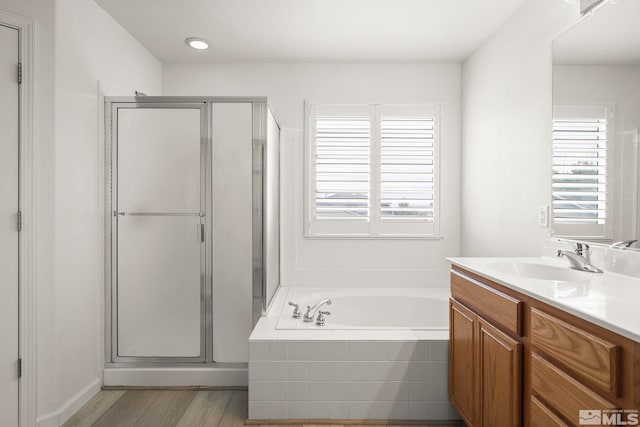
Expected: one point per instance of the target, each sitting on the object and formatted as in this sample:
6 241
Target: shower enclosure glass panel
159 217
159 160
159 286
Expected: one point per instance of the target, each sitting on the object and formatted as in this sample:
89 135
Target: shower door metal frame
111 224
260 107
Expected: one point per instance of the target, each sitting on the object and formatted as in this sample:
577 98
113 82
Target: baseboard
71 406
178 388
176 377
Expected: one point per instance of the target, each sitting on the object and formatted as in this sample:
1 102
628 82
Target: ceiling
311 30
610 36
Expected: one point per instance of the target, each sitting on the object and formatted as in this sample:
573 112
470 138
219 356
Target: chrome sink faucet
311 310
624 244
579 260
583 250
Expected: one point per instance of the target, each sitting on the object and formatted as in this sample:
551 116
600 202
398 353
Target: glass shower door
159 228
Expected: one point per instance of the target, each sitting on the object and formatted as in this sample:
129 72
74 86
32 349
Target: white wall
616 85
506 156
90 47
344 262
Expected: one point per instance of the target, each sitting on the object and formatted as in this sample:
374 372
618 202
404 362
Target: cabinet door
500 371
463 384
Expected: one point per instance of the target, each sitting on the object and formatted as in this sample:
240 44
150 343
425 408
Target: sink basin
540 271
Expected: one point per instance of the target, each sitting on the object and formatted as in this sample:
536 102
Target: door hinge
19 220
19 73
19 368
202 232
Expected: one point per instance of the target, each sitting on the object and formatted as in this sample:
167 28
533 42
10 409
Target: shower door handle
199 214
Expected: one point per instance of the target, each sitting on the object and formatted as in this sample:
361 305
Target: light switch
543 216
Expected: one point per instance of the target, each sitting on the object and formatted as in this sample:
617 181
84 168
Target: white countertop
608 299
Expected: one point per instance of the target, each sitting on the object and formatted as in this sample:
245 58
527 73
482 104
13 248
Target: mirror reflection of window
596 65
579 171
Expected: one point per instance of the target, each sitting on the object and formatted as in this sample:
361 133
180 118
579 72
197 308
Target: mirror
596 127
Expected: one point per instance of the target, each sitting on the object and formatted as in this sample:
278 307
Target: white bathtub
382 354
370 308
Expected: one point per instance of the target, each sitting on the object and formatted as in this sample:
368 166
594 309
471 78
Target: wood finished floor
174 408
163 408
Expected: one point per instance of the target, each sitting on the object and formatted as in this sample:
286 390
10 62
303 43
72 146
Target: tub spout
311 310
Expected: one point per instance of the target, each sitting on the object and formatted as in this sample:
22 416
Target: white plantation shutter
372 170
579 171
342 147
407 168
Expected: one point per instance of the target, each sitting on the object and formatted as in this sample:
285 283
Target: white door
8 229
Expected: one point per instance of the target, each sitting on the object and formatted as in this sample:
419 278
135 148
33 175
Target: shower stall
192 228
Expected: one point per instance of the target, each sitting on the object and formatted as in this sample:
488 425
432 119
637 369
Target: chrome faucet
321 317
296 310
579 260
582 249
624 244
311 310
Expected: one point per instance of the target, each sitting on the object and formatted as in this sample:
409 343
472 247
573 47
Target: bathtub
371 309
382 354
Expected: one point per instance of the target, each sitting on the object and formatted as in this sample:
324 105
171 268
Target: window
372 170
579 171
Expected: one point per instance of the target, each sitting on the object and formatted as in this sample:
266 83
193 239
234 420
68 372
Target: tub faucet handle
321 319
296 311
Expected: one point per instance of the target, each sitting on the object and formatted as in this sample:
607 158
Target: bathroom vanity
535 351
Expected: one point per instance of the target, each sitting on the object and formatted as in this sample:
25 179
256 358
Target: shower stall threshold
227 375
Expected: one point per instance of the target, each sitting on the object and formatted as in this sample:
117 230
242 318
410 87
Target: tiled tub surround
347 374
400 380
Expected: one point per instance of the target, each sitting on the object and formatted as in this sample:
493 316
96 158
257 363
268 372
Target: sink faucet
624 244
582 249
311 310
579 260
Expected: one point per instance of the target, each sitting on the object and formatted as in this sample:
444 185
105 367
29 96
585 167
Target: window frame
374 227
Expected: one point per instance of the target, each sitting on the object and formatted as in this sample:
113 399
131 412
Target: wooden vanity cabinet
485 355
516 361
500 363
463 361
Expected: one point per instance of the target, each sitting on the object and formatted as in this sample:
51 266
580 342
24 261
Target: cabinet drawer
561 392
590 358
541 416
492 304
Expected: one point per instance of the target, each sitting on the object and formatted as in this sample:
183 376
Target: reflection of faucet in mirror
596 129
625 244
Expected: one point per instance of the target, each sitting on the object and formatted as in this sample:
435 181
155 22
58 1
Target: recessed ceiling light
197 43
